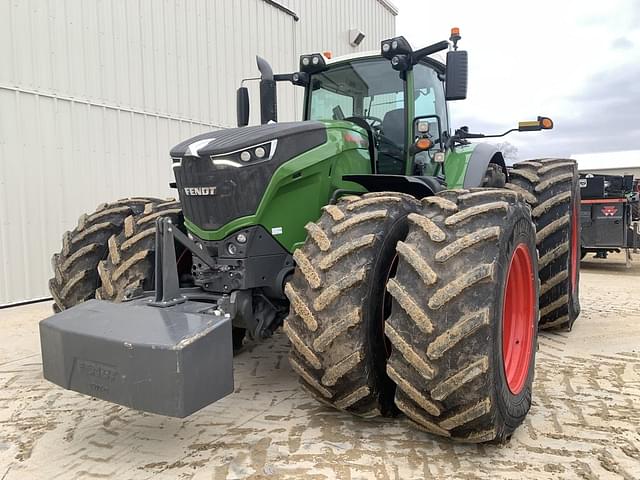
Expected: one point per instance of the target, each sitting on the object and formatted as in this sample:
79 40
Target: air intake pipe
268 92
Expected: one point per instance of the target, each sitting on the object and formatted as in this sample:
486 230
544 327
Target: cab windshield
371 90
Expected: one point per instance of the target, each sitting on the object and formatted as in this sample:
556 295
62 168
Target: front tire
337 297
75 266
129 268
464 318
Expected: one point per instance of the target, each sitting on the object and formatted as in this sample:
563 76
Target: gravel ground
584 423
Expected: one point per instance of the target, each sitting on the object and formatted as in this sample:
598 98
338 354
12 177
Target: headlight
247 156
312 63
232 249
241 238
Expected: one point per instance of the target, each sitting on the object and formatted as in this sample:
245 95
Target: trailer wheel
129 266
339 303
551 187
463 322
75 266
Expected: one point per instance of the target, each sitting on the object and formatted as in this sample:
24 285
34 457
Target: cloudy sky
577 62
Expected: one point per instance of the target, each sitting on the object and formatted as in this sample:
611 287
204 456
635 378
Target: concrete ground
584 422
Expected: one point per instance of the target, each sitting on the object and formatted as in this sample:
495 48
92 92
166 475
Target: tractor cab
385 102
397 95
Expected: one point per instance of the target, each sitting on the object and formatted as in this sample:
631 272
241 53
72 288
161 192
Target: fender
418 187
483 154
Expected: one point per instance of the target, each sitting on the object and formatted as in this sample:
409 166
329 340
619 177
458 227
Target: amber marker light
424 144
546 123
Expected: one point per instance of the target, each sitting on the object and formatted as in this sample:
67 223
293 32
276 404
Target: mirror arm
429 50
461 134
251 79
497 136
296 78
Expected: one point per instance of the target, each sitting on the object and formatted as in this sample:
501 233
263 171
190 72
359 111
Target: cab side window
429 96
326 104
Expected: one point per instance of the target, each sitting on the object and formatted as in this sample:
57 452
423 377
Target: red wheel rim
518 319
574 247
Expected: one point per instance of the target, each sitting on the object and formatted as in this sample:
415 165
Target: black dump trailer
609 214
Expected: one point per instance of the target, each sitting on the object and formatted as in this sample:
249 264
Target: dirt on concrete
584 422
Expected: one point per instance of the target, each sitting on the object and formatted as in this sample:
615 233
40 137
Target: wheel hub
518 319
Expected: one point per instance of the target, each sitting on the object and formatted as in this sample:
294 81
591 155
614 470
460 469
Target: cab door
428 100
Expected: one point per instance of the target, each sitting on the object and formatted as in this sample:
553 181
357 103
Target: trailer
609 214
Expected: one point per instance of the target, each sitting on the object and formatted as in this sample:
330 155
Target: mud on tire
128 268
446 322
551 187
75 266
337 295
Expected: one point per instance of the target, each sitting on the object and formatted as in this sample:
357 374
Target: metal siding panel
22 43
7 74
9 156
171 53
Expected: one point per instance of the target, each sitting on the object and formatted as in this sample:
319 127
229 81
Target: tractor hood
234 140
223 175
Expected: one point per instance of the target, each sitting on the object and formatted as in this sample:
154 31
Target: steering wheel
375 122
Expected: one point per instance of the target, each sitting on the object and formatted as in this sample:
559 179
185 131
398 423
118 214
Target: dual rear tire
464 319
435 345
552 189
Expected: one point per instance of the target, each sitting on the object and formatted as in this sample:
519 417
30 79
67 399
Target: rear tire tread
444 373
551 182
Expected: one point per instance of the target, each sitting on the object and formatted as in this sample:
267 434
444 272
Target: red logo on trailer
609 211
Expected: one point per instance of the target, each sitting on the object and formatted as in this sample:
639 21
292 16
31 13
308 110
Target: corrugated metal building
93 93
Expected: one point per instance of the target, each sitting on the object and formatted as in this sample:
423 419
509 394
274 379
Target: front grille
237 191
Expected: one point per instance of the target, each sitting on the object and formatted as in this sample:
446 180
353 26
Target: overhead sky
577 62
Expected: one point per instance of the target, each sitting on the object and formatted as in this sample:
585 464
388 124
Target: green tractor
409 268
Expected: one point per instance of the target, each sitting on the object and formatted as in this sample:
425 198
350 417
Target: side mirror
457 74
242 106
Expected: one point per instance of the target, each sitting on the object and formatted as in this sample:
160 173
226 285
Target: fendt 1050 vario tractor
409 268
